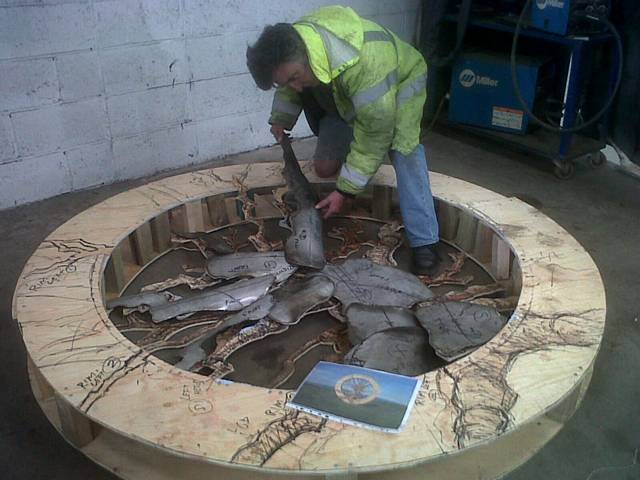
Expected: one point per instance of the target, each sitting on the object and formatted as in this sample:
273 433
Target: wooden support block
500 258
448 218
381 202
265 207
110 286
41 388
122 267
482 245
232 207
130 266
194 218
217 210
177 220
515 278
208 226
161 232
43 393
114 274
127 249
76 428
130 271
143 244
466 233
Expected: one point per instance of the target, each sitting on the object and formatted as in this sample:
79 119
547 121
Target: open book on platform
357 396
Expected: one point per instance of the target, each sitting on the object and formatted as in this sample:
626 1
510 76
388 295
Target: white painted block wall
93 92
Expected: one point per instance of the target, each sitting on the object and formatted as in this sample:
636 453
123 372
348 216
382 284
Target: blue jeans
416 200
414 191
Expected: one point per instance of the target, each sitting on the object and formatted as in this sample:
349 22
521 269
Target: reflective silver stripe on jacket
353 176
373 93
338 51
282 106
418 85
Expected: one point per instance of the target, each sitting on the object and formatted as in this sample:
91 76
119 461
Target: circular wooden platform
139 417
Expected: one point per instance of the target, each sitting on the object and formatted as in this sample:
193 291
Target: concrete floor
599 207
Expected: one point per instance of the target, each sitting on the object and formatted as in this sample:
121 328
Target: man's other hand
331 204
277 131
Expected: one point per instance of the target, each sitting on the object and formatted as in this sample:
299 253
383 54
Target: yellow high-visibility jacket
378 84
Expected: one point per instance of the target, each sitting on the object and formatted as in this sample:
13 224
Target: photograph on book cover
357 396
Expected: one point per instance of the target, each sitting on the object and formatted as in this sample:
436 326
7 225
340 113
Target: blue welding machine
565 17
551 15
482 94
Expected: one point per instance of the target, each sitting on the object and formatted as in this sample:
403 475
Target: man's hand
331 204
277 131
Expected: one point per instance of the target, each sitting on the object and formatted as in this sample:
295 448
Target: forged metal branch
305 246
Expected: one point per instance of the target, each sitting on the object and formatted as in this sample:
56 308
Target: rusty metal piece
335 337
203 242
192 269
194 354
448 277
473 292
233 240
137 322
260 242
220 369
171 338
470 293
389 240
279 203
227 298
502 305
226 337
362 281
350 238
198 242
133 322
324 307
236 339
248 205
297 298
251 264
336 311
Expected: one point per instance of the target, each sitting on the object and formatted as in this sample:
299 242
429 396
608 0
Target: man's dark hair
278 44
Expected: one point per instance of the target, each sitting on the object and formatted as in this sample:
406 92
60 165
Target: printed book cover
357 396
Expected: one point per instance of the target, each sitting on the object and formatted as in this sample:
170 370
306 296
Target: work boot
426 260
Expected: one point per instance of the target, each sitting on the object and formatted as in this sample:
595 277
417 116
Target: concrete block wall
97 91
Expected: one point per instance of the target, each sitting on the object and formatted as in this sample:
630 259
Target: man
363 91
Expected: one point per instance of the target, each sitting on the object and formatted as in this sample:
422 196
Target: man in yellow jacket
362 90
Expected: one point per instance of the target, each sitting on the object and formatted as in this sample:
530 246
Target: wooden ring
139 416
